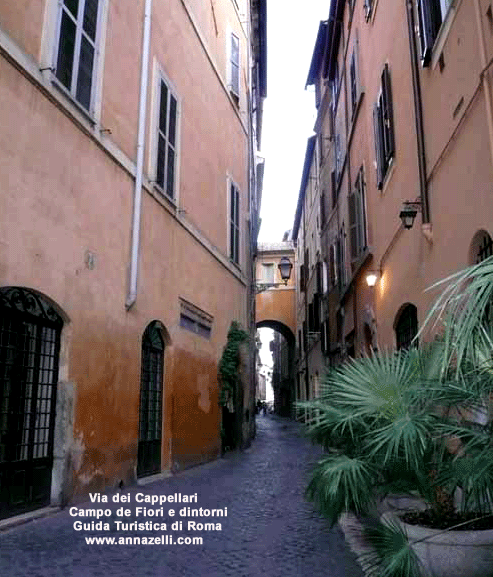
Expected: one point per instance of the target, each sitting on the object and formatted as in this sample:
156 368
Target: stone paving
270 529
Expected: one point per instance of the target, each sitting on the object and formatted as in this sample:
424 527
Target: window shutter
360 209
235 65
302 278
388 115
322 209
334 188
333 265
429 17
377 127
353 225
354 82
323 342
319 277
316 312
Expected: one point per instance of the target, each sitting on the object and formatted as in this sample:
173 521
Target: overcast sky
289 109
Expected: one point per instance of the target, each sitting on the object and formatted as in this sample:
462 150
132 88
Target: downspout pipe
418 117
137 209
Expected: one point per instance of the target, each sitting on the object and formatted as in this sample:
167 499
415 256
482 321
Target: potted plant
416 422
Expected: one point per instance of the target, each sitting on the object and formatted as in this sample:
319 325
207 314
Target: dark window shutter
377 126
322 209
388 115
319 277
332 266
430 20
302 278
360 207
334 188
316 312
323 343
353 226
311 319
354 87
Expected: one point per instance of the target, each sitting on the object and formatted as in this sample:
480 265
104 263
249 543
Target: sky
289 109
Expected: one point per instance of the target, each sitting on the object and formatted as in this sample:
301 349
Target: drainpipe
484 78
418 117
137 210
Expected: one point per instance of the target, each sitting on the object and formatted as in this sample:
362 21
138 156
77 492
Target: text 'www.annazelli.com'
144 540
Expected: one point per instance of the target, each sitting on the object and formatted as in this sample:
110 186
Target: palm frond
463 302
407 437
392 554
340 484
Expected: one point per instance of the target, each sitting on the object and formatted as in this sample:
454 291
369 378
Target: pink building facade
127 226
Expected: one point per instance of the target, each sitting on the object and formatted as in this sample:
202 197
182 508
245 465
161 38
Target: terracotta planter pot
451 553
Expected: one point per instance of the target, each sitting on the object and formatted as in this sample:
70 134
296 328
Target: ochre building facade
128 219
404 123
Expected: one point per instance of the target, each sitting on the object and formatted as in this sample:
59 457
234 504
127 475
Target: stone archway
283 381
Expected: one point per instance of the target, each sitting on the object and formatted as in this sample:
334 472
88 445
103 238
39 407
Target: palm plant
412 422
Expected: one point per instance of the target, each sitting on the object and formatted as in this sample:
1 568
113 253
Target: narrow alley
269 529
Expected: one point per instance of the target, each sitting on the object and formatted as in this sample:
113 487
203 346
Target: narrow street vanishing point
269 529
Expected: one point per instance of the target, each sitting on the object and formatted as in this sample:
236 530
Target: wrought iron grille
407 327
29 349
485 248
151 392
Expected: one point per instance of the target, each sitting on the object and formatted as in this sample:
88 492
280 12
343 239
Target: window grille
406 327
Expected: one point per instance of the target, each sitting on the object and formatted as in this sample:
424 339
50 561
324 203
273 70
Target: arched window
406 327
151 401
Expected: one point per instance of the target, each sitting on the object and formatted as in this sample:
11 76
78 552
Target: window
340 258
367 6
354 79
322 209
383 124
406 327
151 401
234 223
166 140
338 157
431 14
357 217
77 48
234 65
195 320
268 273
333 265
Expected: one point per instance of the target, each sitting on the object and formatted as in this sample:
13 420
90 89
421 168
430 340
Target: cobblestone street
269 530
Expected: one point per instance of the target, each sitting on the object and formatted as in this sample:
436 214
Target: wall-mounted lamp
371 278
285 267
409 211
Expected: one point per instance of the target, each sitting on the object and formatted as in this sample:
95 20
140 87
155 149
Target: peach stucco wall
277 304
66 206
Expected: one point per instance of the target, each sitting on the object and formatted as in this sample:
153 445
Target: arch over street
276 309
